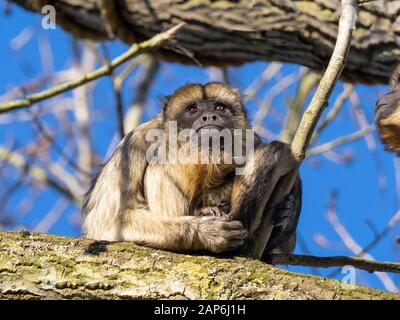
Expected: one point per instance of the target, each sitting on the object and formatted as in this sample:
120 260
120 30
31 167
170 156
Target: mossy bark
237 31
43 266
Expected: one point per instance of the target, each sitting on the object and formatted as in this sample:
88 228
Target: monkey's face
210 106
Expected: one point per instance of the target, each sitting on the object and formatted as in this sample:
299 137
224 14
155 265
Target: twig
330 77
274 91
334 261
61 151
52 216
83 63
339 141
118 81
334 111
27 87
362 121
133 115
37 173
269 72
133 51
303 247
351 244
307 83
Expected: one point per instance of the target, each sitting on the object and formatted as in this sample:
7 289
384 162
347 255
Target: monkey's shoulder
139 133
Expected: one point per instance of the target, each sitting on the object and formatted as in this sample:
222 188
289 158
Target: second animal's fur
185 207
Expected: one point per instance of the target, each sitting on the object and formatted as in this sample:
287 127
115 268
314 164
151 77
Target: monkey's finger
226 246
238 235
233 225
234 247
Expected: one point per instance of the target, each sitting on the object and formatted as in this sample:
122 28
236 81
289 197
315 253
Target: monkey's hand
211 211
219 235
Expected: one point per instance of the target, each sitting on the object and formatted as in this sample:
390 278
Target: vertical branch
307 83
134 114
82 115
330 77
311 116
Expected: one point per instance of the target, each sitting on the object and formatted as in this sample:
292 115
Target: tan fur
176 206
156 204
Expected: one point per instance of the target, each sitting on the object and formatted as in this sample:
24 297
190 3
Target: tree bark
42 266
237 31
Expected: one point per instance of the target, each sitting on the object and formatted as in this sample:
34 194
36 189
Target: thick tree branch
42 266
235 32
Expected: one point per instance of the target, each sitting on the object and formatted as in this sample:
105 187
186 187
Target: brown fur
173 206
387 116
155 205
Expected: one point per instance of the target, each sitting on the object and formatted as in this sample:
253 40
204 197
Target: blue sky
360 198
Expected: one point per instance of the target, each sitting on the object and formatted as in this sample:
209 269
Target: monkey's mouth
209 127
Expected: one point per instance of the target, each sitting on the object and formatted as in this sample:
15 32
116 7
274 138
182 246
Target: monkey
387 118
196 206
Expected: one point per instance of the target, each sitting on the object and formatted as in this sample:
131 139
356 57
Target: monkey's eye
192 108
220 107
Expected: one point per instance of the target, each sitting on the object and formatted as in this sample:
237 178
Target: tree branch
39 174
328 81
133 51
309 121
222 33
336 261
43 266
339 141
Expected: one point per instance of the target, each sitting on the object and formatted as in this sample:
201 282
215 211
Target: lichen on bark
42 266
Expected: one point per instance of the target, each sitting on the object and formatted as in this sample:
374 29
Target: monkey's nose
210 117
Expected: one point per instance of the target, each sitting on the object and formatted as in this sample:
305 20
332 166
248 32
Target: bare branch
335 261
36 172
133 51
133 115
306 84
330 77
351 243
312 114
339 141
334 111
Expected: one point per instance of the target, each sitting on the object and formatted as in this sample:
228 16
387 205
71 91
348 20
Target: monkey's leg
185 233
285 216
255 194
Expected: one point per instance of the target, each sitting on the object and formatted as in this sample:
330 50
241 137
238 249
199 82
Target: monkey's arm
255 196
118 186
123 206
184 233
